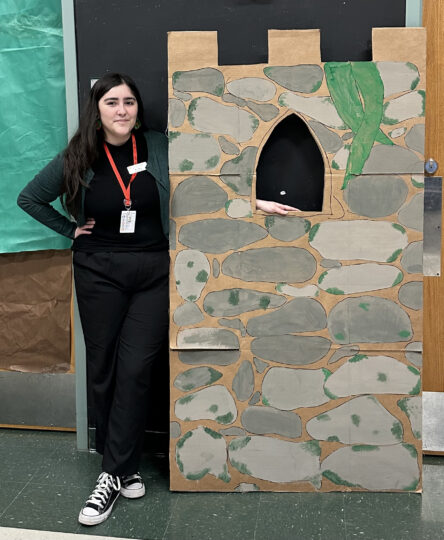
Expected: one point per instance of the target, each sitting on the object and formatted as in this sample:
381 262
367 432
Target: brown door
433 20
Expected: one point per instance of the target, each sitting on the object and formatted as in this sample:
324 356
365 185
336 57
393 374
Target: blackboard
131 35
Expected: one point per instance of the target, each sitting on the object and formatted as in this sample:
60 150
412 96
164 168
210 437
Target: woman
113 181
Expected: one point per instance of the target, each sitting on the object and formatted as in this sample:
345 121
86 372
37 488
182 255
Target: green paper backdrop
32 116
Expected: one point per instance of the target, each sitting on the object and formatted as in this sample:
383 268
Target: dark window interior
291 168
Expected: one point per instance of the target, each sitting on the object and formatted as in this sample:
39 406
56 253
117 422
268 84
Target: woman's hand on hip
85 229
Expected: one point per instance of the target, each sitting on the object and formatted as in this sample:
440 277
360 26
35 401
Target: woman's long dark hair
83 148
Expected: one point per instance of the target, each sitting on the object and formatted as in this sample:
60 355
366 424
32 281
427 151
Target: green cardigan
47 185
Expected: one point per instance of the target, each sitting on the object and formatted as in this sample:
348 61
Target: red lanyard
126 190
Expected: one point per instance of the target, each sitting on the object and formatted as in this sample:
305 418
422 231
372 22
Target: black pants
123 306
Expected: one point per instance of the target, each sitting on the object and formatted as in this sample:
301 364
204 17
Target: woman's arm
37 196
274 207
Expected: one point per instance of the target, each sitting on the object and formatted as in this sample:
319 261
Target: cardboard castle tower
296 340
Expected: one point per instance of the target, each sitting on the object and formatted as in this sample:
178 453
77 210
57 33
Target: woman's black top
104 203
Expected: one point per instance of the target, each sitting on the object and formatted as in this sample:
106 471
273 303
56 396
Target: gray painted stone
293 350
368 319
413 353
207 80
216 268
329 263
255 398
412 406
260 365
188 313
188 152
329 140
214 357
374 468
342 352
212 403
252 88
266 420
411 105
276 460
229 302
410 294
375 196
243 487
265 111
398 132
411 259
287 388
176 112
200 452
397 76
362 420
197 195
287 229
233 432
210 116
237 173
228 147
412 214
347 136
394 159
359 278
172 238
220 235
279 264
318 108
340 159
415 138
305 78
298 292
184 96
191 272
207 338
229 98
243 382
236 324
175 430
373 375
238 208
195 377
298 315
358 239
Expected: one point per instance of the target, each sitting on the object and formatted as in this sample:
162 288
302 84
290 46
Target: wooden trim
433 17
39 428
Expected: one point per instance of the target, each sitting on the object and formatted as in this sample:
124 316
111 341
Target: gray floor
44 481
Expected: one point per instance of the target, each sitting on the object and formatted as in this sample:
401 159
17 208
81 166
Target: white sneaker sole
95 520
132 493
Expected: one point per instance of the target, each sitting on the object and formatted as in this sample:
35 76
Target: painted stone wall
296 340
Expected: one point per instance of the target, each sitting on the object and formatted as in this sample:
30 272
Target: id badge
128 221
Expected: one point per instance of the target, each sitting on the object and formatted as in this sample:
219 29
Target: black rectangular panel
131 35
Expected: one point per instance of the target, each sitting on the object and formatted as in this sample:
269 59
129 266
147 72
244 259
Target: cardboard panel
35 311
290 47
296 340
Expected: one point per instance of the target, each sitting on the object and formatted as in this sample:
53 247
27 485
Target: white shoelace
105 483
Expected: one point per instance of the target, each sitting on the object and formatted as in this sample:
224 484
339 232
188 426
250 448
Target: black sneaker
132 486
100 503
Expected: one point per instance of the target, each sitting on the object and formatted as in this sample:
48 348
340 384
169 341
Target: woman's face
118 113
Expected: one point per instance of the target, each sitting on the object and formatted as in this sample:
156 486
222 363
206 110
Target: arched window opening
290 168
